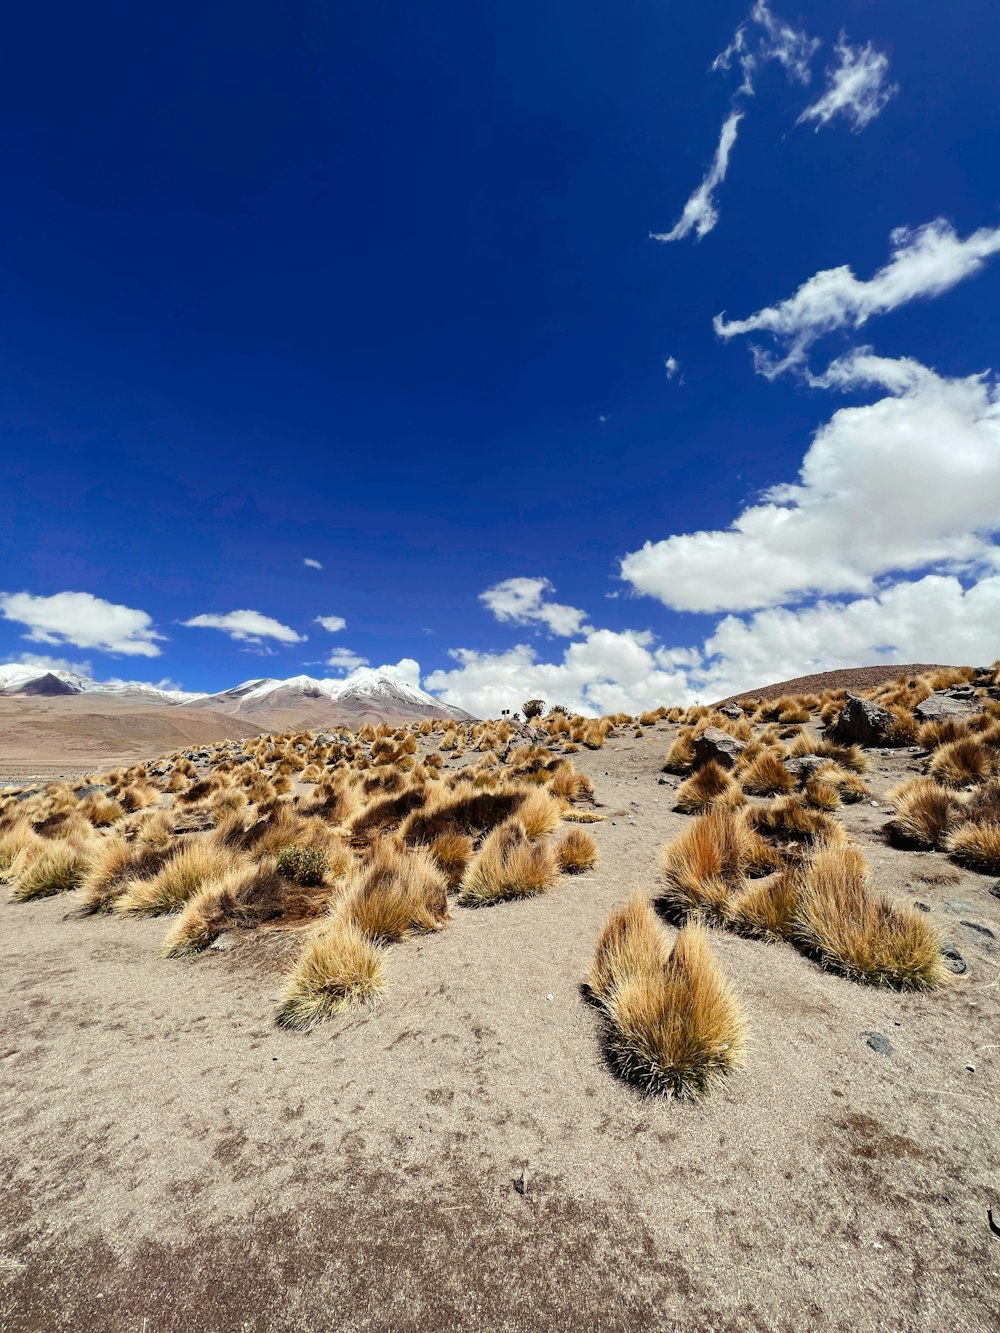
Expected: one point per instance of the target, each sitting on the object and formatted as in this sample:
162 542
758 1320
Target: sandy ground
173 1161
68 736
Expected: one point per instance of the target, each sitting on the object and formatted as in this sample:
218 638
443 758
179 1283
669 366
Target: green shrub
305 865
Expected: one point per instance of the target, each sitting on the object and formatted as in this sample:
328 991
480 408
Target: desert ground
461 1155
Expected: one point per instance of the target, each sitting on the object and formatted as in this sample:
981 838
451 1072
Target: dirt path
172 1161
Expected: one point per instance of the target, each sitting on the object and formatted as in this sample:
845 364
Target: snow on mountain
40 680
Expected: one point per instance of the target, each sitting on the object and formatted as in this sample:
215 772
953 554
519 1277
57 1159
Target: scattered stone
714 743
953 960
521 1181
963 692
921 907
879 1043
955 907
983 930
223 942
94 789
995 889
732 711
862 721
971 1068
805 765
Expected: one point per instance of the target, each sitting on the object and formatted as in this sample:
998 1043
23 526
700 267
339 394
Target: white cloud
312 564
908 483
762 37
603 673
332 623
926 261
856 87
700 213
672 366
406 671
247 627
342 659
522 601
45 663
932 619
84 620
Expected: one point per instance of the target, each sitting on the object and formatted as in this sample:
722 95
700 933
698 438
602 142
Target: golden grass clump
339 968
18 842
400 891
977 846
576 852
766 775
539 814
680 756
115 864
101 812
452 853
766 908
703 866
925 814
790 819
961 762
678 1031
632 943
941 732
58 869
509 865
198 861
711 786
861 934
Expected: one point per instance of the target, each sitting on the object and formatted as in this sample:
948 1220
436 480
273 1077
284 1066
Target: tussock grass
452 853
925 814
101 812
115 863
933 734
576 852
766 908
58 869
678 1031
632 943
339 968
680 756
702 867
790 820
508 866
195 863
710 786
399 892
861 934
18 843
977 846
766 776
962 762
539 814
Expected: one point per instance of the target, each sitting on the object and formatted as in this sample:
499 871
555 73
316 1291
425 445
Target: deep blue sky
361 283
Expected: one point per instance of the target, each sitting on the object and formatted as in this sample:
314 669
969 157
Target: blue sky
378 287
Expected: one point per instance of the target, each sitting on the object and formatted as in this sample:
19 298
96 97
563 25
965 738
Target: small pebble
971 1068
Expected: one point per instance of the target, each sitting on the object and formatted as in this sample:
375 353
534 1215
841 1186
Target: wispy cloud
333 624
926 261
84 620
524 601
672 367
700 212
312 564
342 659
856 87
763 37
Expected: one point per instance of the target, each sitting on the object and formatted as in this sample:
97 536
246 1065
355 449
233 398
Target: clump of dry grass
509 865
452 853
632 943
576 852
339 967
791 821
766 908
925 814
711 786
678 1030
197 862
58 869
116 863
18 843
766 775
101 812
941 732
707 863
400 891
962 762
680 756
977 846
861 934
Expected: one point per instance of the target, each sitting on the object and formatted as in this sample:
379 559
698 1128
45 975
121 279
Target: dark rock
953 960
714 743
921 907
862 721
963 692
995 890
733 711
941 707
804 766
93 789
983 930
878 1042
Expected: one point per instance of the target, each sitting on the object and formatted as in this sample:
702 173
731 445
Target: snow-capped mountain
365 695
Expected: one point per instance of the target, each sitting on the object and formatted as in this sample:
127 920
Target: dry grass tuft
101 812
508 866
452 853
115 863
195 864
632 943
576 852
977 846
399 892
678 1031
707 863
766 907
865 936
766 775
339 968
962 762
58 869
925 814
710 787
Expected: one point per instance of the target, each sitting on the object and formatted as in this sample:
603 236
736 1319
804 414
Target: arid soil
173 1161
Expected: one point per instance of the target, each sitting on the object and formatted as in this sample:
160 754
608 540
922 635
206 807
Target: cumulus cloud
763 37
523 601
672 366
312 564
700 212
84 620
908 483
856 87
45 663
926 261
247 627
342 659
604 673
332 623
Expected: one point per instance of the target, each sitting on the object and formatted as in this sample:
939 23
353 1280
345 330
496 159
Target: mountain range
300 701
